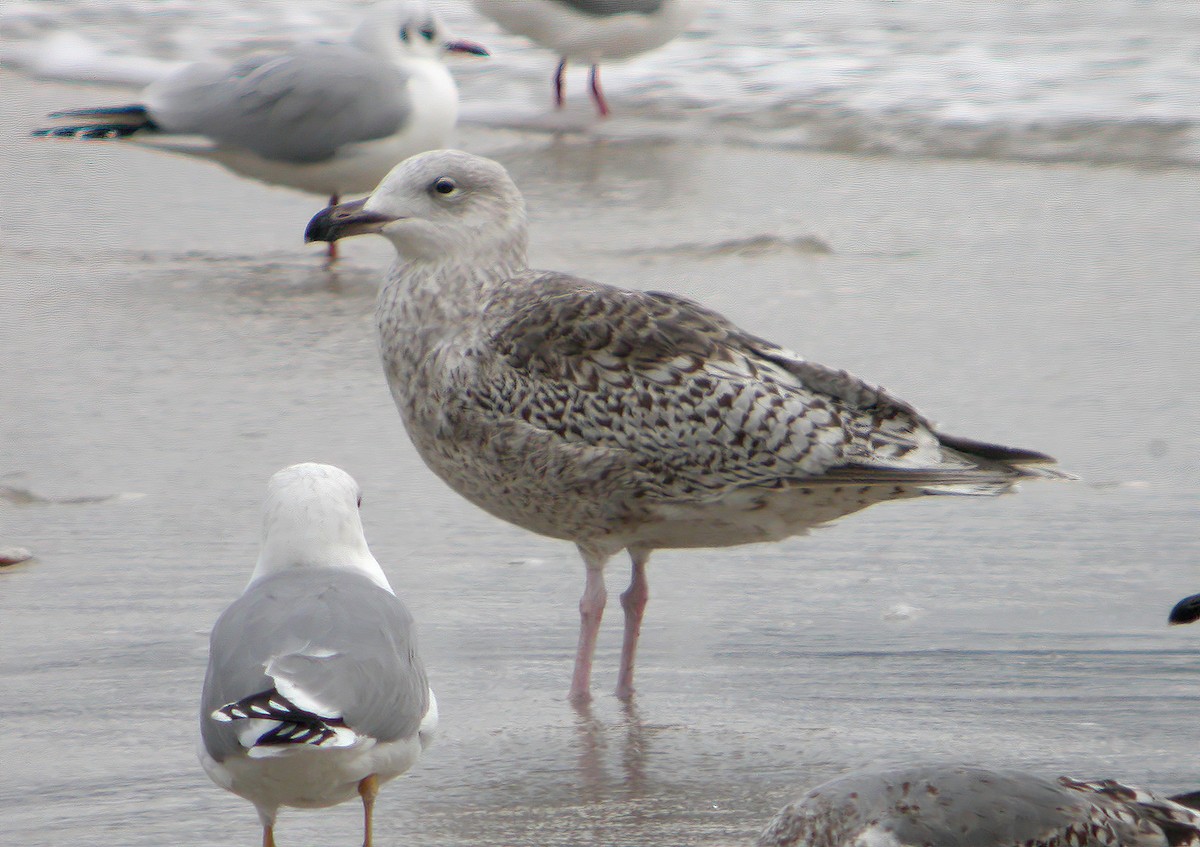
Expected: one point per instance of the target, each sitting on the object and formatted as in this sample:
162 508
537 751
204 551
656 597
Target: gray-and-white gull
314 692
617 419
592 31
968 806
327 118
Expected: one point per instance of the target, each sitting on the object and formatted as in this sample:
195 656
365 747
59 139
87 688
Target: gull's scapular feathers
968 806
618 419
314 691
326 117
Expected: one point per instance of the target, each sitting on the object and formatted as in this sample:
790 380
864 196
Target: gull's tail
111 122
1022 462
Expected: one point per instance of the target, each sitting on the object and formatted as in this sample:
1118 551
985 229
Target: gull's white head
444 206
408 29
311 520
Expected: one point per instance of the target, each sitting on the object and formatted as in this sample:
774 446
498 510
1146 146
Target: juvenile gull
966 806
327 118
1186 610
314 691
592 31
621 420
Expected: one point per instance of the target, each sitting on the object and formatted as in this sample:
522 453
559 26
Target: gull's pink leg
591 610
559 98
597 94
331 252
633 600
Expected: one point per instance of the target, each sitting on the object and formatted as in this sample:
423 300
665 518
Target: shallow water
1070 80
169 343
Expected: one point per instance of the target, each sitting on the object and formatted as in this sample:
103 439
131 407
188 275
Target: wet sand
170 343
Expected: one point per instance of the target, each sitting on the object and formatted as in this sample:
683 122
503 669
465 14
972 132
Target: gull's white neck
434 99
315 540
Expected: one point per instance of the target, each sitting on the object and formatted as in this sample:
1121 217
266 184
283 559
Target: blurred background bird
329 118
592 31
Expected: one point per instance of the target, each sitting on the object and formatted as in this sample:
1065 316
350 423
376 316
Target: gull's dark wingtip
107 122
1186 610
1191 800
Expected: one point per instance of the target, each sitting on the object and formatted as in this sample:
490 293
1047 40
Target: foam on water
1083 80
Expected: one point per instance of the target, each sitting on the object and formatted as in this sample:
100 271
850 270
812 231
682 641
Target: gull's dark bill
343 221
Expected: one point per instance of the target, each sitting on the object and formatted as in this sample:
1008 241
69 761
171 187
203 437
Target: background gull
592 31
327 118
966 806
617 419
314 691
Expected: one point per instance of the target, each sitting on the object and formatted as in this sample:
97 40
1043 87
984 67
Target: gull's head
444 206
311 520
408 29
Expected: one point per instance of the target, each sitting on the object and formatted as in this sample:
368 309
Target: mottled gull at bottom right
619 419
937 805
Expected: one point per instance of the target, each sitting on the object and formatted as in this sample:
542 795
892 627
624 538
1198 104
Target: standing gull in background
314 691
592 31
1186 610
327 118
616 419
965 806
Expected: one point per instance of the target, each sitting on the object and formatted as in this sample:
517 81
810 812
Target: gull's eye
427 32
360 501
445 186
404 33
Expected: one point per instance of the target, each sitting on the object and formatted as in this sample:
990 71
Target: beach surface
169 343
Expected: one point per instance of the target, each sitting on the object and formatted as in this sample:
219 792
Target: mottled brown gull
621 420
314 692
968 806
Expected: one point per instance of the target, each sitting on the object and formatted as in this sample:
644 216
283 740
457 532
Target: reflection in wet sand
595 738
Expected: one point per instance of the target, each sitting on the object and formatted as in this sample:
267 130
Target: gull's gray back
297 107
965 806
373 675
